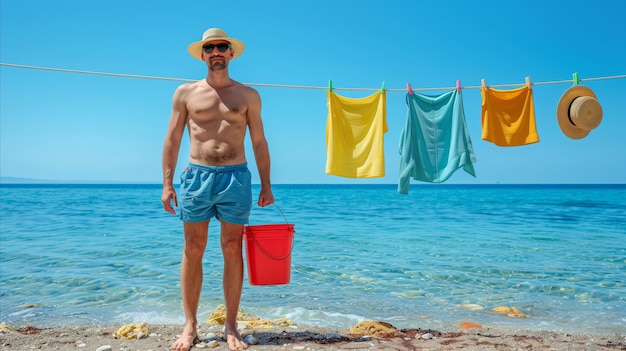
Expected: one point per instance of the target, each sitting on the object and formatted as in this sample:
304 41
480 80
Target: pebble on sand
213 343
251 340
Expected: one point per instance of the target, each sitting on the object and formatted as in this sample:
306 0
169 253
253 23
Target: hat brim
195 49
562 111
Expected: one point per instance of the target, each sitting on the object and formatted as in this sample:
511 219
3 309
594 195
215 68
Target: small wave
320 318
153 317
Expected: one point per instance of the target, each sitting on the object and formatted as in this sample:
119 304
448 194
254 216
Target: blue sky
71 127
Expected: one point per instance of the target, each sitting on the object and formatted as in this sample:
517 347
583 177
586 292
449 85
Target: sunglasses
221 47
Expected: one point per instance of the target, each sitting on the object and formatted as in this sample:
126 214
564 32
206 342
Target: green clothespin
382 88
575 76
330 86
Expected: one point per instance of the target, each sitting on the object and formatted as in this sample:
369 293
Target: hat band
569 109
215 37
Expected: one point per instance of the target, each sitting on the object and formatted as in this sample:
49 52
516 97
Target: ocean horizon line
32 181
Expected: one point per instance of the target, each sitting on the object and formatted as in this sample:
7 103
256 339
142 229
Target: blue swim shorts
224 192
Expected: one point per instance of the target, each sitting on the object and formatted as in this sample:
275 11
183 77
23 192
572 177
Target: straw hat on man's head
215 34
578 112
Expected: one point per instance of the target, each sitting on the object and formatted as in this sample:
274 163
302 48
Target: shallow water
110 254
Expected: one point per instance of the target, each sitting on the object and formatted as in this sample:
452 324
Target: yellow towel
508 116
355 130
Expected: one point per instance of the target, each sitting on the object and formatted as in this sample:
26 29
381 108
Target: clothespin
330 86
528 82
382 88
575 76
483 82
408 87
458 86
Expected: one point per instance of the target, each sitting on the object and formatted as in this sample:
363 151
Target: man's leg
231 236
196 235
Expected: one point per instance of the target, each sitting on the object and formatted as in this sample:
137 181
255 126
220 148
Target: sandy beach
159 337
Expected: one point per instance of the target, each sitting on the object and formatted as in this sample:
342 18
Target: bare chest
211 106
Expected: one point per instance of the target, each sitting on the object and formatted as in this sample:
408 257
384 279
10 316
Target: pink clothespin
458 86
408 87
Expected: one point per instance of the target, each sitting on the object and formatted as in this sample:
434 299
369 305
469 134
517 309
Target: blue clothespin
382 88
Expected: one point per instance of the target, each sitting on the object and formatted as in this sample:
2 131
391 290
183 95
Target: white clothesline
64 70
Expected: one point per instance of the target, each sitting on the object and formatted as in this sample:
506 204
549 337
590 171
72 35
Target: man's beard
217 66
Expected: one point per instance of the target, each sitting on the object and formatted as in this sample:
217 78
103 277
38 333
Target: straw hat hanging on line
578 112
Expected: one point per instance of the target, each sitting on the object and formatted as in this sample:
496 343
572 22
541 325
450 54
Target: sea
444 254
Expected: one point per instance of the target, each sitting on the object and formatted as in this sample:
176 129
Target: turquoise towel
435 141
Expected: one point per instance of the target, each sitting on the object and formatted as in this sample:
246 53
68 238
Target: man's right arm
171 147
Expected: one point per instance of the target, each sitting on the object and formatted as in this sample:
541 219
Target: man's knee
230 238
194 249
195 246
231 245
196 235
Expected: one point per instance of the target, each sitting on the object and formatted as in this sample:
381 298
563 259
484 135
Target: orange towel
508 116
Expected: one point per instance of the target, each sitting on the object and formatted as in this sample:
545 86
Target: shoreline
302 337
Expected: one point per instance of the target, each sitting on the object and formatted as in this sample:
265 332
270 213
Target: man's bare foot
186 340
234 340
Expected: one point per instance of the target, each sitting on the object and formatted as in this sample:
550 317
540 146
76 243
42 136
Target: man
216 111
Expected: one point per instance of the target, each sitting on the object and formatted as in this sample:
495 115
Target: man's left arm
260 148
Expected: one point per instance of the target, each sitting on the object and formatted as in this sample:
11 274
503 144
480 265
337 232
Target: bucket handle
267 253
281 212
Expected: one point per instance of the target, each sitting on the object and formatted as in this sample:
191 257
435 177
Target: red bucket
268 253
